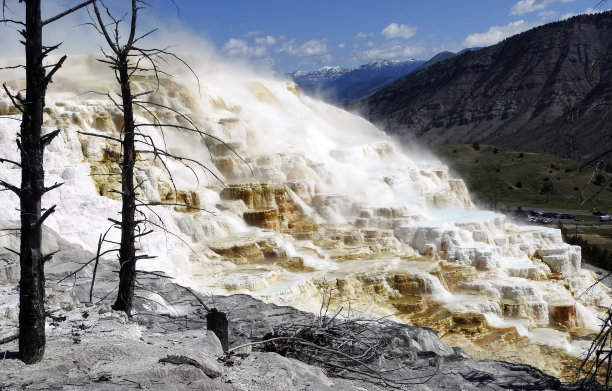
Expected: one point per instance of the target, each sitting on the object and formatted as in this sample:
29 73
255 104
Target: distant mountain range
337 84
342 84
545 90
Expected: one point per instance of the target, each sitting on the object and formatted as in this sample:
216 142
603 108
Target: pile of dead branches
344 344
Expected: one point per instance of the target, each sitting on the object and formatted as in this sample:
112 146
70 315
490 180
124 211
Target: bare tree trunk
32 282
127 250
31 144
119 61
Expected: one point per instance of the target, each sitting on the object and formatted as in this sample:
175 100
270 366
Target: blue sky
293 34
290 35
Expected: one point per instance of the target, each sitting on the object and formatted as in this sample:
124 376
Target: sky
295 34
289 35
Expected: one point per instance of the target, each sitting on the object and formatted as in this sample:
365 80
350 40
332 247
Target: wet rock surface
165 346
322 198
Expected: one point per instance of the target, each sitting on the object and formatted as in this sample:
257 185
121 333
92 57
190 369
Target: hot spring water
331 201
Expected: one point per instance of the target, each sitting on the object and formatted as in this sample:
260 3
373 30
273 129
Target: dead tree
597 364
127 250
128 60
31 143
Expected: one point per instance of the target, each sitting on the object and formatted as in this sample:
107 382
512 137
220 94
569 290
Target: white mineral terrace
340 203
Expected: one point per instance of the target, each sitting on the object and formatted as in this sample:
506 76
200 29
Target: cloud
398 31
527 6
268 50
256 48
567 16
267 40
342 45
595 10
361 35
313 47
547 15
496 34
240 48
395 49
252 34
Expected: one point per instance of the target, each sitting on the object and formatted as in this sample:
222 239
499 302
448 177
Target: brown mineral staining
452 275
409 304
217 103
293 88
271 250
239 252
514 308
106 175
269 207
244 250
295 264
344 254
468 323
189 198
263 218
407 284
262 93
225 165
563 313
7 108
302 229
254 195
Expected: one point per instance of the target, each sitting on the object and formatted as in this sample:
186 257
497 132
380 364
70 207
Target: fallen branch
184 360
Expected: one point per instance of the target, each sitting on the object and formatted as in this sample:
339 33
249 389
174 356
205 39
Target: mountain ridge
340 84
542 91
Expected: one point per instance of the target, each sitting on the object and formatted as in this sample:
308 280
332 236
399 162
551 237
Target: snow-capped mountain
341 84
338 84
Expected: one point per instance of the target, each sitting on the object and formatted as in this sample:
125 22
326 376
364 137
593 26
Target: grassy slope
496 176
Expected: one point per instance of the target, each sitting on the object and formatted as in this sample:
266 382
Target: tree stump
217 322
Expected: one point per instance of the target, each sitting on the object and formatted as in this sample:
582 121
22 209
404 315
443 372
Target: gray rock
276 373
9 269
166 347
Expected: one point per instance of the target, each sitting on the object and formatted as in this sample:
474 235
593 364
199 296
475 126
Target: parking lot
546 217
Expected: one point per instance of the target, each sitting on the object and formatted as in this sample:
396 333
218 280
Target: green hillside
505 177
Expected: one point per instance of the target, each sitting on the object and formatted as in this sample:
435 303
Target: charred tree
120 62
127 250
128 60
31 143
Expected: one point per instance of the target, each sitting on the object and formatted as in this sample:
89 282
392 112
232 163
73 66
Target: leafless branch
2 160
341 345
68 11
83 266
12 98
10 187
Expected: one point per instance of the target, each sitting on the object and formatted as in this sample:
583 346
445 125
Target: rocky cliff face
541 90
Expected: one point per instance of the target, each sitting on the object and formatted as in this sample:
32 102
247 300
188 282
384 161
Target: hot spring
303 197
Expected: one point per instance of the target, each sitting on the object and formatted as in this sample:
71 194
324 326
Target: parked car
539 220
605 218
599 213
